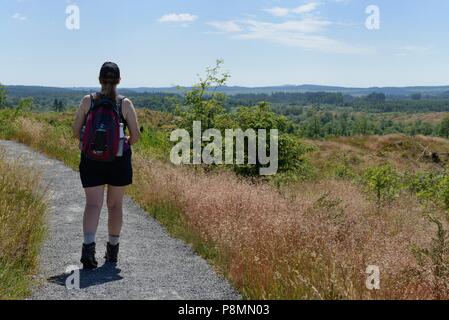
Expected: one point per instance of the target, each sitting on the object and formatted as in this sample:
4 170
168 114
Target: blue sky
263 42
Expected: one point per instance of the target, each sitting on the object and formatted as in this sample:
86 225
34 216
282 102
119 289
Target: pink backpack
101 136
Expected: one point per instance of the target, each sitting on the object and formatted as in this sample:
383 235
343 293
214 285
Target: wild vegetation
2 96
313 114
22 209
339 204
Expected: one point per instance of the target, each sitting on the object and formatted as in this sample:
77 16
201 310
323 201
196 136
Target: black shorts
118 173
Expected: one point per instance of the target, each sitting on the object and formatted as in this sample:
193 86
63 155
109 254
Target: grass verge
22 210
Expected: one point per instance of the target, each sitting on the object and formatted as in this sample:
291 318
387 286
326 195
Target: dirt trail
152 264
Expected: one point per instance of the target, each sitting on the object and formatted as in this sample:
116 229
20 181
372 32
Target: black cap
110 70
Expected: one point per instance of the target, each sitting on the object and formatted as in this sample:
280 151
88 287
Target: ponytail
109 91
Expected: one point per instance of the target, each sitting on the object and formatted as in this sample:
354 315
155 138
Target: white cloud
278 11
303 26
18 16
301 33
283 12
308 42
226 26
178 18
306 8
308 31
305 34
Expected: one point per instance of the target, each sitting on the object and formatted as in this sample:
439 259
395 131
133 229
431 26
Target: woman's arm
80 116
130 115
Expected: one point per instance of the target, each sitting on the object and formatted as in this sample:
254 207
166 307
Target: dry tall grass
22 210
311 243
404 153
57 142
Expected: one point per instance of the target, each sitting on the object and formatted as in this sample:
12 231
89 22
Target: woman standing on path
101 123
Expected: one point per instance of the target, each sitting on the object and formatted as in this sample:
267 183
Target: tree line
316 123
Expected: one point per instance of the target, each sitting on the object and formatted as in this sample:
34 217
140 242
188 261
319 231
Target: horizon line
234 86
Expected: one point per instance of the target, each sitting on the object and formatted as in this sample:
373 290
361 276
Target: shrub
443 191
2 96
25 105
383 182
443 128
430 188
203 104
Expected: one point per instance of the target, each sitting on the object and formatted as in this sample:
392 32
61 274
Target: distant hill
162 99
389 91
21 91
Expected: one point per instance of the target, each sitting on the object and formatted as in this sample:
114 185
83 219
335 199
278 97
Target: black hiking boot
88 257
111 255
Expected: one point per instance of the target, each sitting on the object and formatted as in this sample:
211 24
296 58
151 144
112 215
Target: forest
311 114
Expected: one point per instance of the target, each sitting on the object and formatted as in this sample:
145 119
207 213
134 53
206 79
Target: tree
58 105
383 182
416 96
25 105
203 103
375 97
291 150
361 126
2 96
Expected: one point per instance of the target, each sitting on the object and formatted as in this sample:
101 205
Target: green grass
154 143
22 210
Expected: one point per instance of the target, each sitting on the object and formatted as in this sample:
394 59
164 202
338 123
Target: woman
116 175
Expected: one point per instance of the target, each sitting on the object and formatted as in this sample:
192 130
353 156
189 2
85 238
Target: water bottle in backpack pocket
100 144
122 140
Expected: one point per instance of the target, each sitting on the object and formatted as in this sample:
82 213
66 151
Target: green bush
7 118
204 104
443 191
423 184
2 96
430 187
443 128
382 181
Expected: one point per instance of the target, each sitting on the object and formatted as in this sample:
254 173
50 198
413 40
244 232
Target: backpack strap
119 107
92 101
92 104
120 110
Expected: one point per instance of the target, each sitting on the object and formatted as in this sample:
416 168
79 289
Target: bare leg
115 209
94 203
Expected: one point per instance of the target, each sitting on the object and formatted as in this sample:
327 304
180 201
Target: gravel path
152 264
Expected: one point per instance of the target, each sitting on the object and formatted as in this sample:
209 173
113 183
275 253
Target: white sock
114 240
89 239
